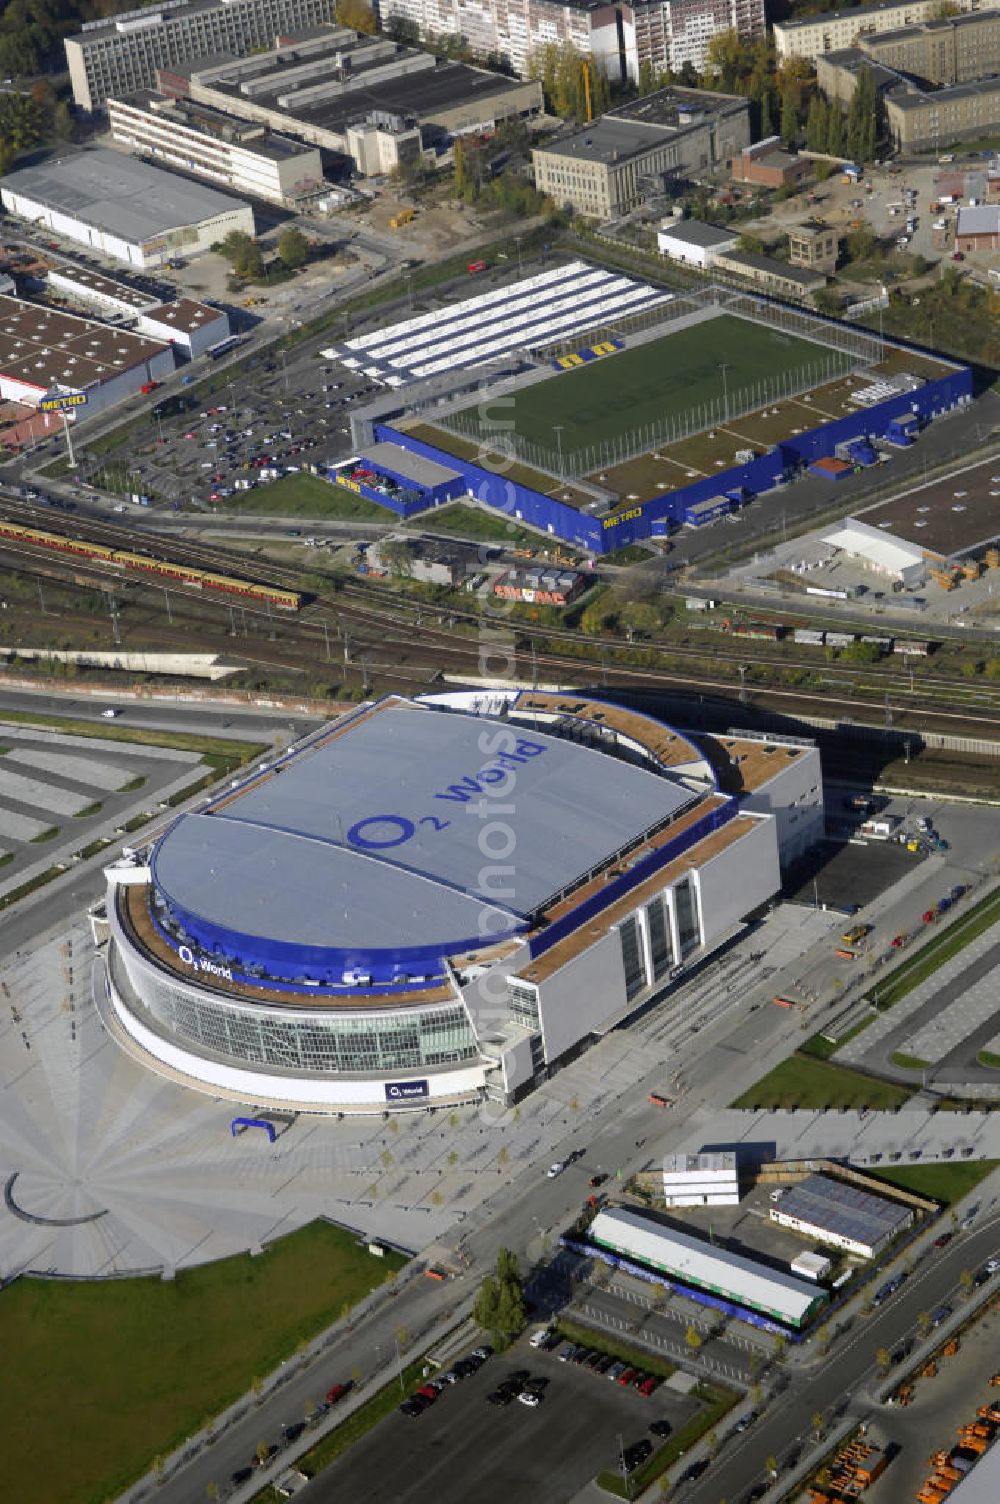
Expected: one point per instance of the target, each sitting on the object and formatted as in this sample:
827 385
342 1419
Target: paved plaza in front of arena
108 1168
117 1170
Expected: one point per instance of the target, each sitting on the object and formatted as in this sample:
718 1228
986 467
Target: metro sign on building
59 402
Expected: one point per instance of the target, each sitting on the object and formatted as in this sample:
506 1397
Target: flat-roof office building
197 139
609 167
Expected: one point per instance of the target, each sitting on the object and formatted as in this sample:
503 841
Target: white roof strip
475 304
702 1264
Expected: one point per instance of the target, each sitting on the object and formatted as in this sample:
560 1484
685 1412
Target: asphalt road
840 1382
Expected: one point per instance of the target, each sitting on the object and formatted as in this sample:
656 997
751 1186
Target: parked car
943 1240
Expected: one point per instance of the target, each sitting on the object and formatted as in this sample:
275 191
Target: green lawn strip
824 1049
946 1183
361 1421
947 943
31 886
307 496
132 1367
137 822
45 835
7 857
93 847
177 741
801 1081
989 1059
636 1357
133 786
718 1402
88 810
460 521
908 1062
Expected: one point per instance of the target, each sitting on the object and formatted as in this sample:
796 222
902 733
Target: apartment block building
618 36
950 50
118 56
246 157
927 120
835 29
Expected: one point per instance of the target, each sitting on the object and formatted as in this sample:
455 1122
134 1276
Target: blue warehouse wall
660 516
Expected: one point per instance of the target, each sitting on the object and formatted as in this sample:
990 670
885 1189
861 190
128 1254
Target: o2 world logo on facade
382 832
200 963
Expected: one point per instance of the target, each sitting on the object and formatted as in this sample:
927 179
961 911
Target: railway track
421 638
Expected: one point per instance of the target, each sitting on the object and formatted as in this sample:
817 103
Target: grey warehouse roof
696 232
844 1209
410 466
610 140
119 194
372 838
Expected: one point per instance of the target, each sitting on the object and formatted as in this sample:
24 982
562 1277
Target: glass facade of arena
659 938
688 930
635 971
329 1042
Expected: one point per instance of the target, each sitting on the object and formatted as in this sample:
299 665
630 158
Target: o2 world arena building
431 900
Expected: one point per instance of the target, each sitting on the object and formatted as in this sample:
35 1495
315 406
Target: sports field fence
727 407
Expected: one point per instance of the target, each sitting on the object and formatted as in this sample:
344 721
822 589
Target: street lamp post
724 367
557 429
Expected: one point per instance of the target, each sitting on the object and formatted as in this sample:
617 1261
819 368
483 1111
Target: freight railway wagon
117 558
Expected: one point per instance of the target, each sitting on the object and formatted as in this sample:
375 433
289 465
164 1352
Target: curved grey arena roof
402 829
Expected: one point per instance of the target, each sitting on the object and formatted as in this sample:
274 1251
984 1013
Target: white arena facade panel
434 900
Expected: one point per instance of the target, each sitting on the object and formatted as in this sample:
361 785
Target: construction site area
937 1428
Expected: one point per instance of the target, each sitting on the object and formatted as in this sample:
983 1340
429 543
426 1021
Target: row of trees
560 70
246 256
786 99
27 119
852 133
499 1305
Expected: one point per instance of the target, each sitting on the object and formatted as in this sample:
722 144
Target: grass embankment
945 944
946 1183
352 1429
307 495
717 1403
126 1369
989 1059
801 1081
460 521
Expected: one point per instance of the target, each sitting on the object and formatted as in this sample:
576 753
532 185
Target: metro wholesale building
434 900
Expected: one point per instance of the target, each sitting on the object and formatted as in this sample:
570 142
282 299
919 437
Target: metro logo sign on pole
58 404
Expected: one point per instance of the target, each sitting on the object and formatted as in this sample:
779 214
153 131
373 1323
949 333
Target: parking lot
845 875
267 425
464 1447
